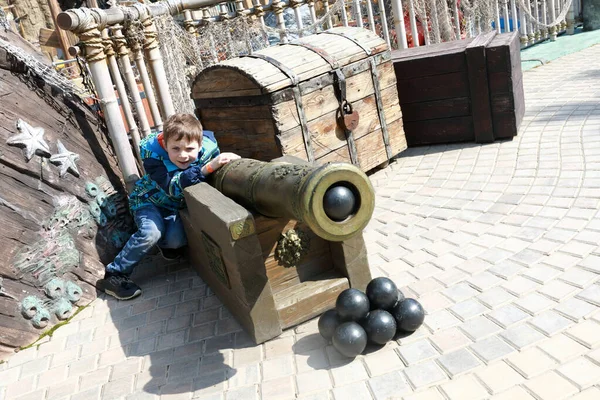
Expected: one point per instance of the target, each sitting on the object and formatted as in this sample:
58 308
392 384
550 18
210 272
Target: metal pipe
456 20
399 23
116 77
384 25
553 29
138 57
344 15
125 66
370 16
413 23
358 13
96 59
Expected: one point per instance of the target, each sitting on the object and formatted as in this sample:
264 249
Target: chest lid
286 65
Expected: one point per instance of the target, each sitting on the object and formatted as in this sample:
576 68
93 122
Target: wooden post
62 35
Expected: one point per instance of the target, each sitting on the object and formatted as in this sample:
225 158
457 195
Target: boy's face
182 152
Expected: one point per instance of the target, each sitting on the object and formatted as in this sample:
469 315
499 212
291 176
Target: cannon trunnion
277 242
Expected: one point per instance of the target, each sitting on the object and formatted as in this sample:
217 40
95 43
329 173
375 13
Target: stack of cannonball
375 317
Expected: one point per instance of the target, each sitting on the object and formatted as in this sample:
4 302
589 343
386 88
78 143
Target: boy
180 156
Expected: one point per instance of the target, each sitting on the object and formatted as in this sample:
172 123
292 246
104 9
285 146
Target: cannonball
382 293
328 322
380 326
339 202
352 305
400 296
409 315
350 339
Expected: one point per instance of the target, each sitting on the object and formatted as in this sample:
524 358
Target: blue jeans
155 226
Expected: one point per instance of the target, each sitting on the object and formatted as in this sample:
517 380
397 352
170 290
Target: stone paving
499 242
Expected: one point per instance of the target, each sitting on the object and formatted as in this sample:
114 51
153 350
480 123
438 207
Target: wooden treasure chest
278 260
325 97
465 90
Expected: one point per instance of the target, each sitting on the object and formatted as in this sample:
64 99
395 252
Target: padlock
350 117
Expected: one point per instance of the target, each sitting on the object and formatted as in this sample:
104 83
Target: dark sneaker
119 286
171 254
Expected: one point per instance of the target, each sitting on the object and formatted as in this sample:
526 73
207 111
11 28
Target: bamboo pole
125 66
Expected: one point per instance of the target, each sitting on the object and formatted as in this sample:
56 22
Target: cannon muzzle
335 200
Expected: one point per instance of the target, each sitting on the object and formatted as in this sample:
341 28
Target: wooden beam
62 35
479 88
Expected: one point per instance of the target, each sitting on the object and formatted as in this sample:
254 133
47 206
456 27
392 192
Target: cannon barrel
335 200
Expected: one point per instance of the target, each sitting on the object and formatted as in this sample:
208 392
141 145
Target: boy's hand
219 161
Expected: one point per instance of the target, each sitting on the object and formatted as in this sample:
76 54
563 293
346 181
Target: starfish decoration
31 139
65 159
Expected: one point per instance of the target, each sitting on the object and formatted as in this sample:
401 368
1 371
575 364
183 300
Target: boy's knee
152 235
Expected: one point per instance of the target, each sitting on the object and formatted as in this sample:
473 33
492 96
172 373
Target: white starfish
65 159
32 139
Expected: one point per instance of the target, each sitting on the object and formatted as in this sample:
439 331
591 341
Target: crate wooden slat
465 90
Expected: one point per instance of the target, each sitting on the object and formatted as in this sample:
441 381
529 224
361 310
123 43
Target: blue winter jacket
164 182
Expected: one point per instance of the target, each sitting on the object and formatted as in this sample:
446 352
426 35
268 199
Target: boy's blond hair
183 126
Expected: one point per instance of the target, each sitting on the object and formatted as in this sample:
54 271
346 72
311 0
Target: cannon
278 241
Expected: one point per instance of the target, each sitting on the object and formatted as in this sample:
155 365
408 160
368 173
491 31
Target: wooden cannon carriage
276 272
287 100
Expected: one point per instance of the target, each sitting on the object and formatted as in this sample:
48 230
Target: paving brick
450 277
209 384
458 362
277 367
417 352
499 377
434 301
550 385
243 393
468 309
90 394
311 360
278 389
562 348
37 395
588 394
440 320
557 290
520 286
464 388
550 322
534 303
94 378
313 381
357 390
581 372
591 262
479 328
449 340
508 315
522 336
61 390
382 361
388 386
244 376
484 281
495 297
425 374
429 394
514 393
491 349
587 333
576 309
541 273
591 294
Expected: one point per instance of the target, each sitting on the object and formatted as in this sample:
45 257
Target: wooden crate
233 251
282 100
465 90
